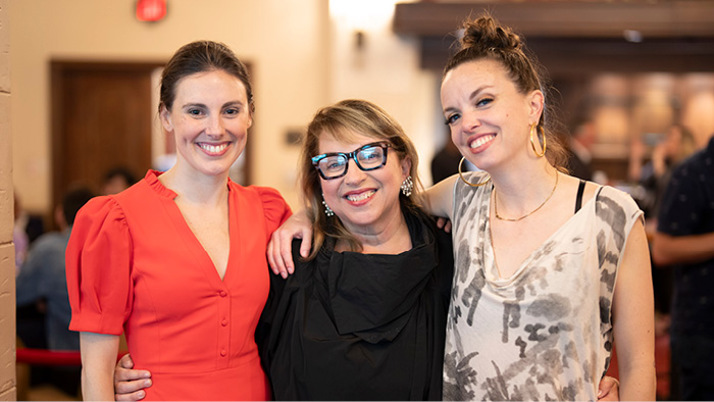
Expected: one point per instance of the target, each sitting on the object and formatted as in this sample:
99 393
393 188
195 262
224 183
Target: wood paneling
584 56
578 37
593 19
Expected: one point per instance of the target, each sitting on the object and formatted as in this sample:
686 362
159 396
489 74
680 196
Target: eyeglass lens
333 166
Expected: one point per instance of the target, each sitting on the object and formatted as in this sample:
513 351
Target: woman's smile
480 143
214 149
359 197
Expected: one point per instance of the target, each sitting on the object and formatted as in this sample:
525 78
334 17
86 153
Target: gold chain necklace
495 203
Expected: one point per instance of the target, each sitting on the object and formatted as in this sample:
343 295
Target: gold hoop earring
461 175
534 128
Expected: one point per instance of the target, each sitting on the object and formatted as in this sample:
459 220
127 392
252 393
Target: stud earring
407 186
328 211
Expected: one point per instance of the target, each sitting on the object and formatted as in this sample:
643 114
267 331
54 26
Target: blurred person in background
117 180
685 241
583 136
445 162
20 238
652 178
42 280
668 151
29 317
27 227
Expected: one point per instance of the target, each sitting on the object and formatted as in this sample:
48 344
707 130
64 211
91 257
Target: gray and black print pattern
545 333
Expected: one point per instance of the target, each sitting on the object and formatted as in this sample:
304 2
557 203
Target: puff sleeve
275 208
99 262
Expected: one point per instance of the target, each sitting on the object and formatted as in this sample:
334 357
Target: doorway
102 116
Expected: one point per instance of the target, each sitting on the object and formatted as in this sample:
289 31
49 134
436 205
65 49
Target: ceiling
578 37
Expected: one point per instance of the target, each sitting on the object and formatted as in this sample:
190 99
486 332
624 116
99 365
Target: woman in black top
363 316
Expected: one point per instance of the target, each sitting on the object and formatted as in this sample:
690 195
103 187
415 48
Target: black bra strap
579 197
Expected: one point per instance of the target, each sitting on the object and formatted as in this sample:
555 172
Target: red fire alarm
150 10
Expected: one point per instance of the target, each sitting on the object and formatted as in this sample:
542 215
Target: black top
352 326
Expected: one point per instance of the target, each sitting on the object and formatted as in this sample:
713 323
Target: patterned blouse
545 333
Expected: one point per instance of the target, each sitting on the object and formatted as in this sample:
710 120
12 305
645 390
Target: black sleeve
271 320
445 251
446 264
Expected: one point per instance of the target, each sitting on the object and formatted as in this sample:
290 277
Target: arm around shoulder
439 198
280 257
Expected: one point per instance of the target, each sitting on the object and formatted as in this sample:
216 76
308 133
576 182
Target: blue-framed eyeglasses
333 165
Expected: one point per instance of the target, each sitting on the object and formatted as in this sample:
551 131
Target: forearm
97 385
667 250
637 380
99 354
635 356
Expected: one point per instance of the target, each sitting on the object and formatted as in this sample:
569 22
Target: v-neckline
203 258
491 269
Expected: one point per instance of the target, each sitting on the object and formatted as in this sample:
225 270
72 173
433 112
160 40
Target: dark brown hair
340 121
197 57
485 38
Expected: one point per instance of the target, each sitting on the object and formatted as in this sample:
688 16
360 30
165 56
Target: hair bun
485 34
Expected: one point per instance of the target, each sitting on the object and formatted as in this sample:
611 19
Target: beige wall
8 384
385 70
284 40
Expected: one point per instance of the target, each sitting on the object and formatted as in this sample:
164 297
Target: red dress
134 265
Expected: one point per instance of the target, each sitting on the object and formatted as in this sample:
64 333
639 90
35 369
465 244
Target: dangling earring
407 186
535 128
461 175
328 211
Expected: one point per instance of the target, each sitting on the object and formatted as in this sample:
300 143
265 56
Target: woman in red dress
177 262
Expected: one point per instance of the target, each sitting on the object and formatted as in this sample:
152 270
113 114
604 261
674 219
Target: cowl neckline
372 295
